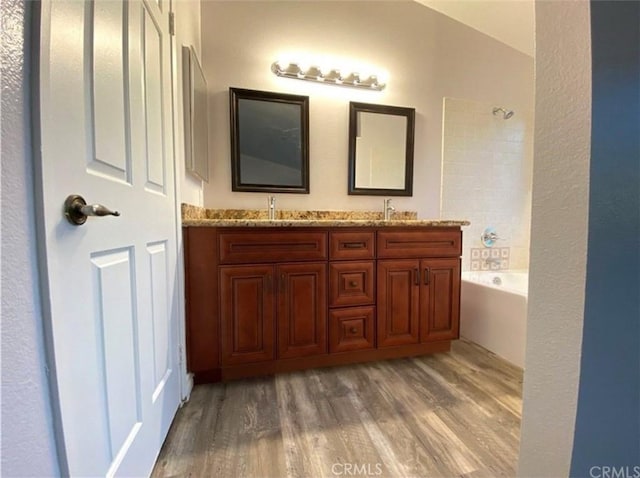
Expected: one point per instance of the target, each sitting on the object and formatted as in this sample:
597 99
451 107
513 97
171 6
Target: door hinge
180 356
172 24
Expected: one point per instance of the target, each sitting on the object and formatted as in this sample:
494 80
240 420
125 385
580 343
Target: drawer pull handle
353 245
427 274
416 276
353 283
353 330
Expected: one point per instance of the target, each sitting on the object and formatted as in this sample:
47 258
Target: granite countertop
194 216
321 223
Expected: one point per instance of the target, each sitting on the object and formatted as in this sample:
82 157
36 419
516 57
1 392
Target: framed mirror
196 119
269 141
381 150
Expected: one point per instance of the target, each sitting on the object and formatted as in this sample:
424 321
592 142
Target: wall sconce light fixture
333 77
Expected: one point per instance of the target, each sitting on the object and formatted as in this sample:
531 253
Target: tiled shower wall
486 177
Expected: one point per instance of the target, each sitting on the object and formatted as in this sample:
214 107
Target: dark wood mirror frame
288 123
409 114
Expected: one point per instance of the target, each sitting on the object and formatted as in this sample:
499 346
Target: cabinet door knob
427 274
353 330
353 283
416 276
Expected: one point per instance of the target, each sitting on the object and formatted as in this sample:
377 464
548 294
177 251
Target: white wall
187 14
486 177
510 21
558 237
428 56
28 445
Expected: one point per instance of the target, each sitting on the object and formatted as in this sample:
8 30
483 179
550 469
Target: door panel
114 276
398 302
153 84
157 257
109 152
302 309
111 303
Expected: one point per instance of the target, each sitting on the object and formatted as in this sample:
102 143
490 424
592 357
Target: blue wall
607 432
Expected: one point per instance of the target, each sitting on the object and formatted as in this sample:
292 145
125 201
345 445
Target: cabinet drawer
352 245
351 283
351 329
409 244
269 246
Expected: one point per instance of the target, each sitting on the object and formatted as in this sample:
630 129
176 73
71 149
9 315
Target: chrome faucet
272 208
388 209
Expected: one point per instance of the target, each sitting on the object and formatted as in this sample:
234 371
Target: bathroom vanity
273 296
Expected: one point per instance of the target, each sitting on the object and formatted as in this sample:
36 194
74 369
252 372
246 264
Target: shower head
506 114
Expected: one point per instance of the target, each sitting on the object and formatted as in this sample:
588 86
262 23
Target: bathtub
493 312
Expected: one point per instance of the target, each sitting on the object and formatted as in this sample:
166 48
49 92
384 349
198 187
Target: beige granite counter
197 216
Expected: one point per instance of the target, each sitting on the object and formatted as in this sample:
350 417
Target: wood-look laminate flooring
455 414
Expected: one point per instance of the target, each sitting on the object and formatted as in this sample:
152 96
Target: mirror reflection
269 141
380 150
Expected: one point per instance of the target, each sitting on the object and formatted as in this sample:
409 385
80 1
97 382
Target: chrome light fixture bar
333 77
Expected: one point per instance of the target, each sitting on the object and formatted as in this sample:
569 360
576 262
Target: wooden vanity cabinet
270 309
418 300
268 300
352 290
255 300
418 286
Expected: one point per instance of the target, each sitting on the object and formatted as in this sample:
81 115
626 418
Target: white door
110 284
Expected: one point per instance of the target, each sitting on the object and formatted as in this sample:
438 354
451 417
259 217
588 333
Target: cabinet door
247 314
302 309
440 299
398 302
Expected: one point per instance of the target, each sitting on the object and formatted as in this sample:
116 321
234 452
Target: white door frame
186 378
